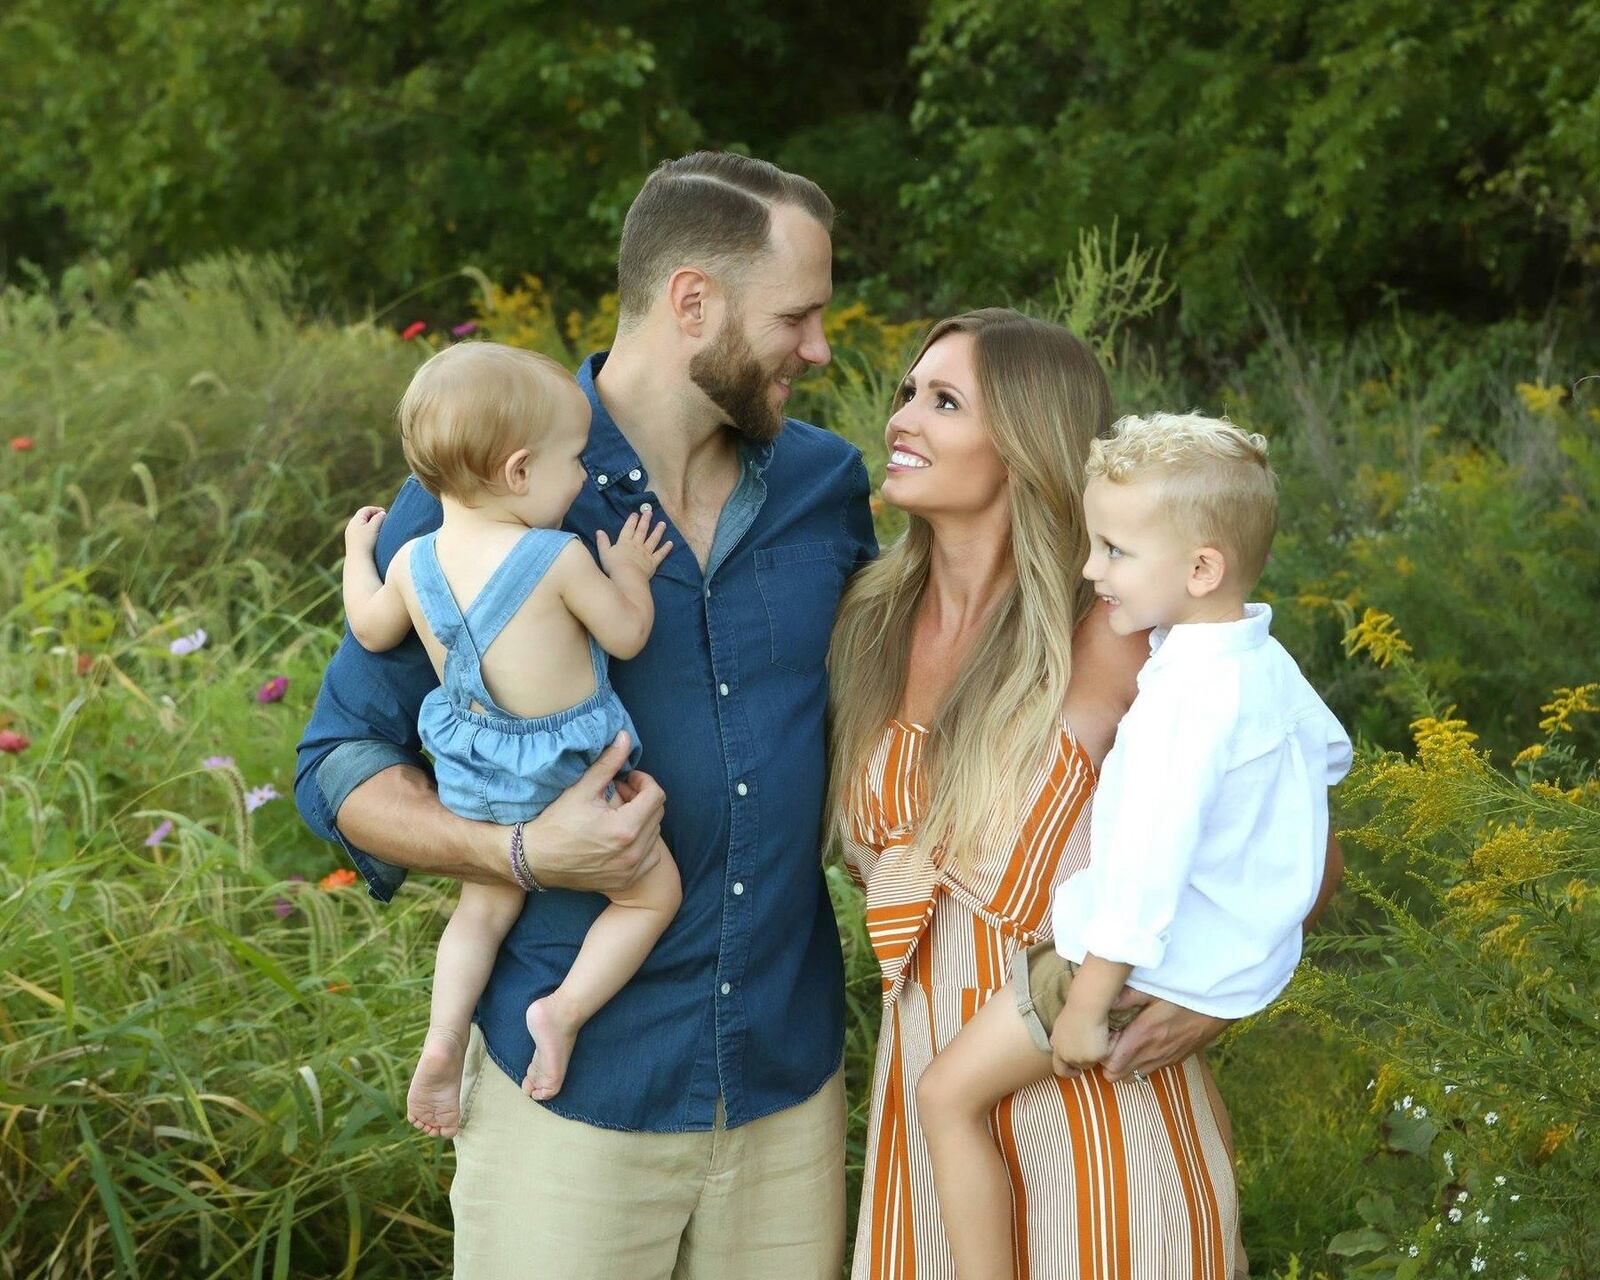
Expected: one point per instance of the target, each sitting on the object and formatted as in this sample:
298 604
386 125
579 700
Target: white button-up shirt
1208 836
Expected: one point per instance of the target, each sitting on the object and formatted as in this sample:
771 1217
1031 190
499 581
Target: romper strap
513 582
462 679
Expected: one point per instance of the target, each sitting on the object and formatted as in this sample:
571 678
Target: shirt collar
1209 639
611 460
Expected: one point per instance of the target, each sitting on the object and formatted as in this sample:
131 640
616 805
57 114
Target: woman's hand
1159 1035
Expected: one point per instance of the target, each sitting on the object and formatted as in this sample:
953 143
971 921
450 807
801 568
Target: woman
974 693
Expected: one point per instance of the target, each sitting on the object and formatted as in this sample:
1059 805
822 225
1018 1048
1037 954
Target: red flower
273 690
11 742
412 330
21 444
343 878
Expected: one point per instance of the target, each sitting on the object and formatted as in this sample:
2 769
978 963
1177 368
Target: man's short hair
1218 485
711 209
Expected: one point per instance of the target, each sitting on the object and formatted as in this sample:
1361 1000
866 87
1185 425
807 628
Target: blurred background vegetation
1367 230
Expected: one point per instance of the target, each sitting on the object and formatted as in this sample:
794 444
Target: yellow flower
1567 703
1443 743
1539 398
1528 754
1507 939
1554 1138
1520 852
1377 635
1547 790
1403 566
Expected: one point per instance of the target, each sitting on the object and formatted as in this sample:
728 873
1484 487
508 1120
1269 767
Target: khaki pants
540 1197
1039 981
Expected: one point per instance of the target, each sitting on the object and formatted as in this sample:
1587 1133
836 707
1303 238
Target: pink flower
159 834
21 444
183 646
464 329
283 908
258 796
273 690
413 330
12 743
217 762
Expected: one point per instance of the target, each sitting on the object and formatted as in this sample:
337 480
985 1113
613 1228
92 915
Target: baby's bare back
539 664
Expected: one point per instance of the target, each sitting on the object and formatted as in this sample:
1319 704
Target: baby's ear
1206 572
515 472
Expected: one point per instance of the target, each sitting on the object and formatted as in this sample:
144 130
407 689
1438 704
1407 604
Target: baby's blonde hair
1216 480
472 406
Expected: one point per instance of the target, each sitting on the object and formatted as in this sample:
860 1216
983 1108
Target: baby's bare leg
990 1059
482 918
615 947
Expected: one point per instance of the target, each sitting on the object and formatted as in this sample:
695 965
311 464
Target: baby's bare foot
433 1104
553 1030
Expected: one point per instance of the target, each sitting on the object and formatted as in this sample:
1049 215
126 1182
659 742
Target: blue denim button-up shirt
743 995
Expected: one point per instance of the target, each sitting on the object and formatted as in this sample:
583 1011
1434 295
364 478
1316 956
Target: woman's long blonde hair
1044 398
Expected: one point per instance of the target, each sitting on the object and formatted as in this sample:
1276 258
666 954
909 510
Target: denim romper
494 766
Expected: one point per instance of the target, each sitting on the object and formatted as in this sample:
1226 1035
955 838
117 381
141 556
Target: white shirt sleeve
1150 810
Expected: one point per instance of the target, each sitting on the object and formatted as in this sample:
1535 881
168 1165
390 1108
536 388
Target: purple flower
218 762
273 690
183 646
465 329
159 834
258 796
283 908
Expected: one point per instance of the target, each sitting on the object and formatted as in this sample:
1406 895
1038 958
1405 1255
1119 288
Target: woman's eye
906 394
945 401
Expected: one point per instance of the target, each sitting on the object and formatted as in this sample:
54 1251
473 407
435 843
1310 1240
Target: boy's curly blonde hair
1215 478
469 408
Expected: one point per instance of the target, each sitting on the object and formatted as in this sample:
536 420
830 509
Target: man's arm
1165 1033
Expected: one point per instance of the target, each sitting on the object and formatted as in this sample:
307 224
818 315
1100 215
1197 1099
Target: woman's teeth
901 459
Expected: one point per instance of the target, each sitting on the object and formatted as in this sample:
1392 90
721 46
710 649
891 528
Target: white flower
183 646
1449 1088
1455 1215
1515 1198
1421 1113
1413 1251
1499 1179
1460 1196
1478 1264
258 796
1491 1117
1405 1103
1483 1217
1370 1083
1449 1162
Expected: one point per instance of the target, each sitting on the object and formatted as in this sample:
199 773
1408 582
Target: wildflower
1412 1251
1528 754
217 762
12 743
1460 1196
1370 1083
1553 1139
21 444
338 988
342 878
1443 742
1455 1215
1499 1179
1421 1113
1403 566
1515 1197
415 329
1490 1118
273 690
1376 633
1450 1163
258 796
183 646
1482 1218
1449 1088
282 908
159 834
1405 1103
465 329
1567 703
1538 398
84 663
1478 1264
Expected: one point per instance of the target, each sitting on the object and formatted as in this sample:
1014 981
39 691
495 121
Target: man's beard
729 373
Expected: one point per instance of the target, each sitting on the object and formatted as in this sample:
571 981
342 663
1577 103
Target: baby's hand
1077 1041
637 547
361 534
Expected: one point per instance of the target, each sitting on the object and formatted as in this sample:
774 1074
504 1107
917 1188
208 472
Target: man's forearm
396 815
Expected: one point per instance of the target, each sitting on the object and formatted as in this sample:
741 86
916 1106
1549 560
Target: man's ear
1207 571
689 300
516 474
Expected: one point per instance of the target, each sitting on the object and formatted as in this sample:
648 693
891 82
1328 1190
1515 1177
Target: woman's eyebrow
945 386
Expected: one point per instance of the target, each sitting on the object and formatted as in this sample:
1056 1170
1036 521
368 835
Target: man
700 1131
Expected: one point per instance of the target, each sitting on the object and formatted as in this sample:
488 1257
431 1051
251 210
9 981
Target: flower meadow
206 1025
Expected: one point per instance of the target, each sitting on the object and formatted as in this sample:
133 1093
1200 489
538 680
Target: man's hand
582 841
1160 1035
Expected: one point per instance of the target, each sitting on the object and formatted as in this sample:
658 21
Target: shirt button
742 789
645 508
635 474
726 988
738 887
601 479
723 690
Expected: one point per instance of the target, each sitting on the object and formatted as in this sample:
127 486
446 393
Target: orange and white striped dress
1126 1181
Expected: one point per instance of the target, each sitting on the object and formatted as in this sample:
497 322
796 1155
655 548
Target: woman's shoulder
1105 671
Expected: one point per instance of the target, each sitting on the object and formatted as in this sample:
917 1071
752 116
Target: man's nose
814 347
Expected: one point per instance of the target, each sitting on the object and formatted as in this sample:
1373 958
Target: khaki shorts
539 1197
1040 978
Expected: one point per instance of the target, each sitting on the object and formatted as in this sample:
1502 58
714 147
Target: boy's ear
688 297
515 472
1207 571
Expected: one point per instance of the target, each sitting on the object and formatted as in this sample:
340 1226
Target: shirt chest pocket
799 587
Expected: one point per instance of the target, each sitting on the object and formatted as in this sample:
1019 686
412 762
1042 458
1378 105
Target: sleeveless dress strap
462 679
513 582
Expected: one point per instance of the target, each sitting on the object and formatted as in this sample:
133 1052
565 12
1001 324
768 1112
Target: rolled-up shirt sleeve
365 717
1150 814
